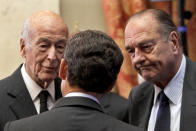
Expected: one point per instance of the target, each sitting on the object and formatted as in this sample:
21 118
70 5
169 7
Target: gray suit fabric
71 114
141 101
115 105
15 100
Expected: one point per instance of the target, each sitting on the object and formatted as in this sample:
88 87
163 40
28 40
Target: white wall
88 14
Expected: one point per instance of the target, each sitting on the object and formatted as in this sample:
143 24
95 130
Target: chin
48 77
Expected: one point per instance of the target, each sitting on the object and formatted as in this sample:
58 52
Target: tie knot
163 98
43 96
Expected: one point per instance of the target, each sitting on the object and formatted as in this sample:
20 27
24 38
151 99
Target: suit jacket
71 114
15 100
141 101
115 105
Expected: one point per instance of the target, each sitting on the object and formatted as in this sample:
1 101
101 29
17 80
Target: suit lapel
22 104
146 106
188 109
78 101
141 101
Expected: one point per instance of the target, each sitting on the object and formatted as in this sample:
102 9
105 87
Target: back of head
93 60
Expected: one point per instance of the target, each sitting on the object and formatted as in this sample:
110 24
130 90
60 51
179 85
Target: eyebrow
43 39
146 42
140 44
62 41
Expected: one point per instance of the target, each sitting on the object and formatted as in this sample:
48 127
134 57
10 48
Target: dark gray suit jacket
71 114
141 101
115 105
15 100
16 103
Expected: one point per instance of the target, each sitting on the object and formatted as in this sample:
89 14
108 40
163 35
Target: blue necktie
163 115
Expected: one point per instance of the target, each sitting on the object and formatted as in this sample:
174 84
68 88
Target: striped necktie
43 95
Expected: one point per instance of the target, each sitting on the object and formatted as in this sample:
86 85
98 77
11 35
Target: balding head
164 23
47 20
42 45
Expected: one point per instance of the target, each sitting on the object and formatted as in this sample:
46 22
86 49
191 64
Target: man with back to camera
90 66
34 87
166 101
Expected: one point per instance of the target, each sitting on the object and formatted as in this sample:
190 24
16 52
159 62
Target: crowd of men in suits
88 64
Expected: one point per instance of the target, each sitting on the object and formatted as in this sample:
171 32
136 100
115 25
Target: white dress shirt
174 93
80 94
34 90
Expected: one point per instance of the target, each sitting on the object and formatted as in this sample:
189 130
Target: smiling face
46 47
151 56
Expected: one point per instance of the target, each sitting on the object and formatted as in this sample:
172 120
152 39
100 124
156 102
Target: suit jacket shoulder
115 105
15 100
71 114
188 107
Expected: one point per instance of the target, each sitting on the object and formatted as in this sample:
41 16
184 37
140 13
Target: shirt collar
174 88
33 88
81 94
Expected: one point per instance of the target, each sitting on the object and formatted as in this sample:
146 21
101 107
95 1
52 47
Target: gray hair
25 32
166 25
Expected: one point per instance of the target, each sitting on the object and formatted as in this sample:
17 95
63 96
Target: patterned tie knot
43 95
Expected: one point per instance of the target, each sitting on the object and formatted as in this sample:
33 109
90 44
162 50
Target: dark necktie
43 96
163 115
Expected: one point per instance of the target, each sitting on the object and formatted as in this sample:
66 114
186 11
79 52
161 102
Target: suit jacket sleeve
6 128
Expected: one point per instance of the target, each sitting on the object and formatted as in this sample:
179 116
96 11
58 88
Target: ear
174 41
63 69
22 48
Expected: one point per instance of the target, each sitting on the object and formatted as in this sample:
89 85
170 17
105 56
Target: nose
138 57
52 53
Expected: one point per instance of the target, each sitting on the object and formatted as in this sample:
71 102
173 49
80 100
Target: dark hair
93 59
166 25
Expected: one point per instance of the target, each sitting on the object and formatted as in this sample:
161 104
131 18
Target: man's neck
70 89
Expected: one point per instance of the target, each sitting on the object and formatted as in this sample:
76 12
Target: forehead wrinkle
51 39
136 39
142 24
48 21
